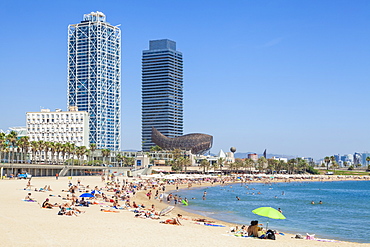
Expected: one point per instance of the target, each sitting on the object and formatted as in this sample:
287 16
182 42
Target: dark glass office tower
162 91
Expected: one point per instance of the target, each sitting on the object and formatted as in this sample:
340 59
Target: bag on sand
270 235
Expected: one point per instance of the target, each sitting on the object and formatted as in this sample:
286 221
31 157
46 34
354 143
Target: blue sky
288 76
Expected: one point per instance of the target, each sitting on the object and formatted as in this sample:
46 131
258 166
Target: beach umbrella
86 195
269 212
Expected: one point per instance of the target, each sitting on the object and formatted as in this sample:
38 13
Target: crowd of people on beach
119 194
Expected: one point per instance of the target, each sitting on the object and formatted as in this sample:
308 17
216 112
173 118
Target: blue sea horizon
343 215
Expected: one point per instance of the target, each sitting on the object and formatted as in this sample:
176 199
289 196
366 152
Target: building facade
59 126
162 91
94 77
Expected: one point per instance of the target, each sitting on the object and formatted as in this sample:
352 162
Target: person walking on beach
56 176
28 184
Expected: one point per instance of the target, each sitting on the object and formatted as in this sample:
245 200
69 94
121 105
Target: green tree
25 147
327 161
92 149
261 163
205 164
176 153
220 162
3 145
129 161
155 148
238 164
105 153
185 162
12 143
81 152
119 159
367 159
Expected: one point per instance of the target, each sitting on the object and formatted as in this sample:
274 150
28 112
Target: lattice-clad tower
94 77
162 91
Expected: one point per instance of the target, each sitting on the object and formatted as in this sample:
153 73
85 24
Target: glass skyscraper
162 91
94 77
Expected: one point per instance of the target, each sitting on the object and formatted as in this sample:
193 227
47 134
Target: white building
60 126
280 159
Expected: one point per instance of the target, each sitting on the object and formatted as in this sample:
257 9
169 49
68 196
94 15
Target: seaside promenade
27 224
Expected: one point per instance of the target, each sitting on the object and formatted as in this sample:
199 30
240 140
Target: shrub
312 170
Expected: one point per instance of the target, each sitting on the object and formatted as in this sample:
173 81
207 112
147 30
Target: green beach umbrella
269 212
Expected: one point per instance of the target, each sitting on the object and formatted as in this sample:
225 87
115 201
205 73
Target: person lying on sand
63 211
203 220
173 221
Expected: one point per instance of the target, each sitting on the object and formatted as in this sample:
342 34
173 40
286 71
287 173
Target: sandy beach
27 224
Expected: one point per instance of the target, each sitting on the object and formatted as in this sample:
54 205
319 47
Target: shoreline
26 224
285 230
182 209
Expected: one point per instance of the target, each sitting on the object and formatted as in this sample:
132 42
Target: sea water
343 215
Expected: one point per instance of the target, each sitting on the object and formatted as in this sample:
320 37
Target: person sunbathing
116 204
203 220
63 211
173 221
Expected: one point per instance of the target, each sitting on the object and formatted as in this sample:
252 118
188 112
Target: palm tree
220 162
58 150
291 165
248 163
47 146
19 148
334 166
231 166
25 145
12 141
92 148
272 164
185 162
119 159
176 153
302 164
367 160
327 161
53 150
2 144
332 159
205 164
80 152
238 164
34 149
72 152
155 148
261 162
129 161
105 153
215 165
